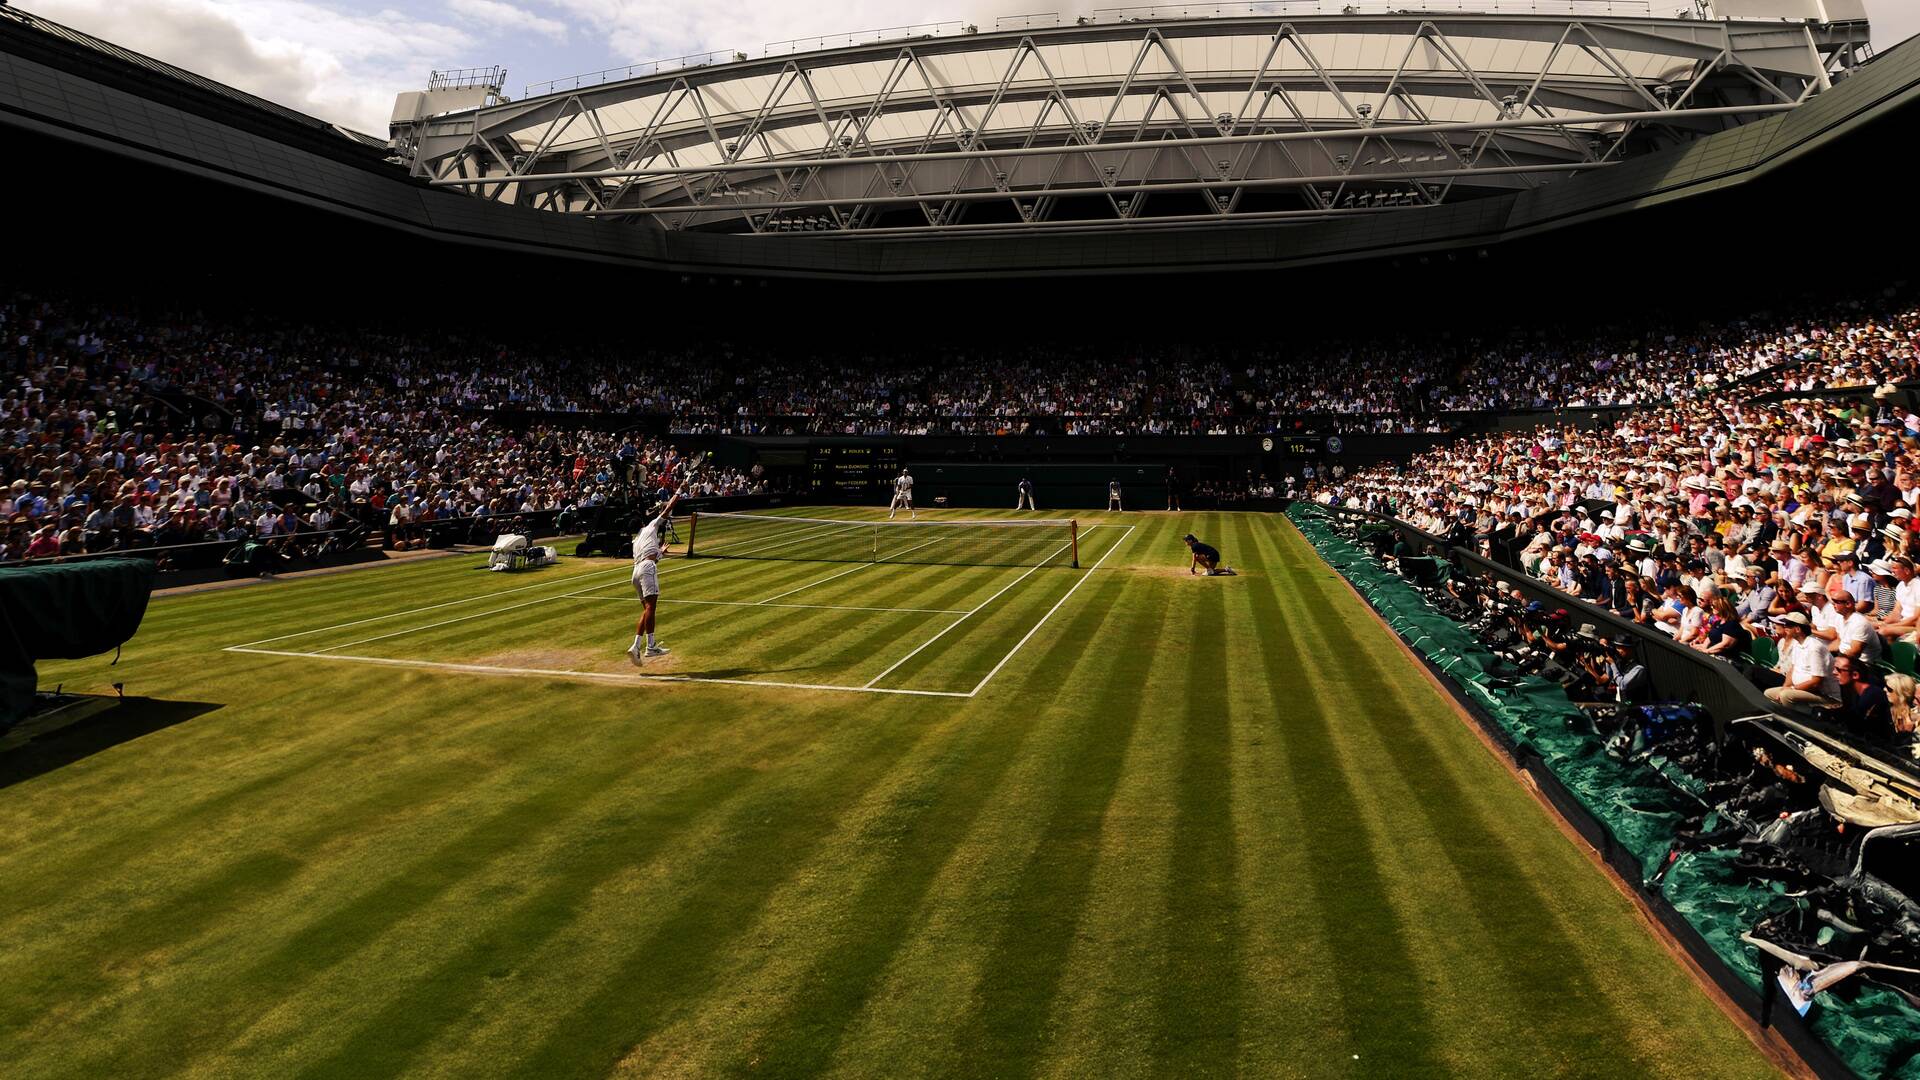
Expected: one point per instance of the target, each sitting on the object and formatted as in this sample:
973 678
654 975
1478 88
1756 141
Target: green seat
1904 656
1764 652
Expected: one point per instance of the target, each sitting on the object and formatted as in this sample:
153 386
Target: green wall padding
1874 1031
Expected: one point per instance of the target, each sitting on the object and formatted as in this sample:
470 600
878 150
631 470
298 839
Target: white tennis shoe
656 650
636 656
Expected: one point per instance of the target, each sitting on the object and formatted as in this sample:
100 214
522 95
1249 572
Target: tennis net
949 543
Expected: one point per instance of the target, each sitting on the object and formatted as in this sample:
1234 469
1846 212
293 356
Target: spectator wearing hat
1884 601
1851 579
1621 673
1823 621
1805 667
1895 538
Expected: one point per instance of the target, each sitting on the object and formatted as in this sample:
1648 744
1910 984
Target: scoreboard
852 471
1303 446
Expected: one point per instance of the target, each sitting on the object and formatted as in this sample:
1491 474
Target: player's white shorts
646 578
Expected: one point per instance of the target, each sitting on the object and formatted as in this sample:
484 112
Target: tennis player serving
646 581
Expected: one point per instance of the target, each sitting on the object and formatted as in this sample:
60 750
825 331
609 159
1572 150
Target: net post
1073 527
693 529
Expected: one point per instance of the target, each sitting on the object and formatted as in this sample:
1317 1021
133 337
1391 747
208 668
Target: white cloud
659 29
507 17
345 59
338 65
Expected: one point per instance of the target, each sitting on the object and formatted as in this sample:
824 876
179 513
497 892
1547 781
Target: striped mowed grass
1192 826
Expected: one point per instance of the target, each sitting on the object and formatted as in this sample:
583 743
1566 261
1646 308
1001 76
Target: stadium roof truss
1130 123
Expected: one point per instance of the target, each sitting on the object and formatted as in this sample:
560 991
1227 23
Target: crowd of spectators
1717 522
121 428
282 375
118 434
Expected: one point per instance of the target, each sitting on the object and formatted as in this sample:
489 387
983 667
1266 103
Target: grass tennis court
1081 822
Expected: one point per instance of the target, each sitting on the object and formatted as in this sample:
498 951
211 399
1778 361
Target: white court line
855 570
1056 607
970 614
596 676
461 619
571 579
822 581
763 603
483 669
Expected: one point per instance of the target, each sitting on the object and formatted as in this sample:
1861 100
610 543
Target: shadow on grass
60 745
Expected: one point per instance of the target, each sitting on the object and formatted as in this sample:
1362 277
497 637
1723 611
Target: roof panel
1401 70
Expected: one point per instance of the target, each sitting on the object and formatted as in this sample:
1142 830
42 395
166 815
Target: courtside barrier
1629 816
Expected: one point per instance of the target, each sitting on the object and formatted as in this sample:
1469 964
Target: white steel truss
1145 121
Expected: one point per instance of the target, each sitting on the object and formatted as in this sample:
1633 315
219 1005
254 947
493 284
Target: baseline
764 603
594 676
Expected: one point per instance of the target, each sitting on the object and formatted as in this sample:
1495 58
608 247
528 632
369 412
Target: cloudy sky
345 59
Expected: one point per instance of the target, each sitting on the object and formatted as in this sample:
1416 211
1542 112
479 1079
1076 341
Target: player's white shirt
646 543
903 484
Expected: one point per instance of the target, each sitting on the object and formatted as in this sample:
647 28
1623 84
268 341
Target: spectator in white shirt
1806 665
1857 638
1906 592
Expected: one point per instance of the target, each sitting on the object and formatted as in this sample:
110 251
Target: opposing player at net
902 495
647 545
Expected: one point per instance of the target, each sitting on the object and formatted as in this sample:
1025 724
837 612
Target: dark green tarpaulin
64 611
1873 1032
